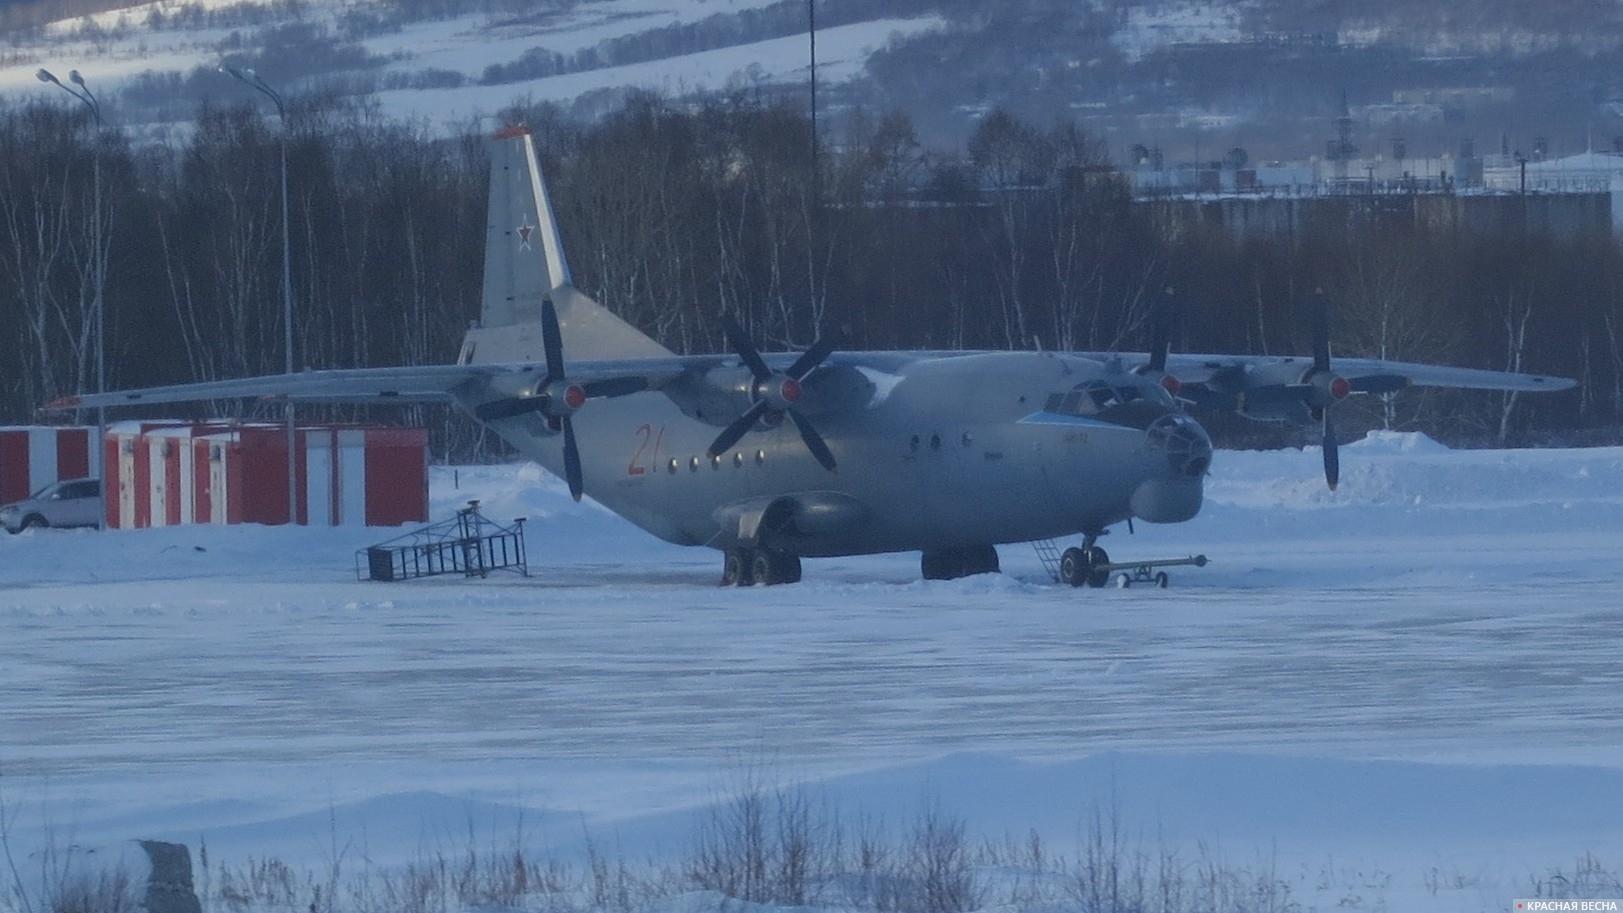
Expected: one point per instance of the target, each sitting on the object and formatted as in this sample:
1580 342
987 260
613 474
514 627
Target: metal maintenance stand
469 545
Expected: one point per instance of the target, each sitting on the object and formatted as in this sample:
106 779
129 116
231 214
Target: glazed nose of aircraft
1186 445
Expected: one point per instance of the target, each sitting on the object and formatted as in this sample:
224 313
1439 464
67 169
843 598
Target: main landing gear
952 563
765 566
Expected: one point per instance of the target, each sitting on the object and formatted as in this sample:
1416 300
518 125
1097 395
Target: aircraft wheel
1097 574
772 568
1073 566
1161 580
942 565
737 568
953 563
1123 581
979 559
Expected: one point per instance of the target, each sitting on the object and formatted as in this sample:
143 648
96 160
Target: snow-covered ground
1401 696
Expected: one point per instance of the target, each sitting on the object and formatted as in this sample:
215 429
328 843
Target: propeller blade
814 441
811 358
571 459
740 427
552 339
511 407
1165 322
1321 331
740 341
1332 454
615 386
1379 383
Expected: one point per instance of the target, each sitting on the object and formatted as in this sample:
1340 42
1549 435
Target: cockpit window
1096 397
1134 405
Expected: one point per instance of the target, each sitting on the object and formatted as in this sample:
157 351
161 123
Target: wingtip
62 403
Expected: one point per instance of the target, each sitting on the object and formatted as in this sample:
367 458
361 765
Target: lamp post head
73 76
44 75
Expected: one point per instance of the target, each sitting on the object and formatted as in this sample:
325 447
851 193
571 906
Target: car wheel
33 521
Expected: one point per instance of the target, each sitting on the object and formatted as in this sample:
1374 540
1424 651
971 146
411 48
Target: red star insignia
524 230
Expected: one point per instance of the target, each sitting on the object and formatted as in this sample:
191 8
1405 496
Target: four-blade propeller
1321 388
558 398
775 393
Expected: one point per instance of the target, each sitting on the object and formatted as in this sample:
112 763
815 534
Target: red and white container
342 474
34 456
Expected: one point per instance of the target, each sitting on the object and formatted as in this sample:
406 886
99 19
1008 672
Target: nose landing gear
1086 565
1090 566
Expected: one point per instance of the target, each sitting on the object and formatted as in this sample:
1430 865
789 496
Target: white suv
74 502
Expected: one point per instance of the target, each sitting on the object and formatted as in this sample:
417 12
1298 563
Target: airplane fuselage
933 453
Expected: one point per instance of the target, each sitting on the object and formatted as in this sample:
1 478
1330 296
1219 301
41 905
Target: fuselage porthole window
671 466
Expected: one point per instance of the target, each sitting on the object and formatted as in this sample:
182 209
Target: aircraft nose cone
1186 445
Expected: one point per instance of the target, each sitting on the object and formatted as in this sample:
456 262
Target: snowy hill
1401 696
1178 75
441 70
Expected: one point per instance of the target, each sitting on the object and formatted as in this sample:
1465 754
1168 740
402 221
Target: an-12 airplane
775 458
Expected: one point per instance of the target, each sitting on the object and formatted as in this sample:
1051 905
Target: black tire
763 569
942 565
1073 567
1098 572
1161 580
772 568
791 572
953 563
1123 581
737 567
34 521
979 559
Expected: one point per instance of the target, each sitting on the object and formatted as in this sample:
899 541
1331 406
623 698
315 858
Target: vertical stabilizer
525 263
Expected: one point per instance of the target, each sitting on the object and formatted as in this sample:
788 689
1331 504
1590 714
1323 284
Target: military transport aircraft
773 458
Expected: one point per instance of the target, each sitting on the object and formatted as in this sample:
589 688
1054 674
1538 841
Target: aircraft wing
1392 374
429 383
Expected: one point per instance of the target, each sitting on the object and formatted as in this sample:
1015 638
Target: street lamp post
253 80
98 265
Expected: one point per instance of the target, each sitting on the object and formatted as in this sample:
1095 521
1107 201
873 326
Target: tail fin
524 264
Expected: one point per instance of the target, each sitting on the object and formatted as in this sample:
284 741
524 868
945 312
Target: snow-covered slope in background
1400 696
112 49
